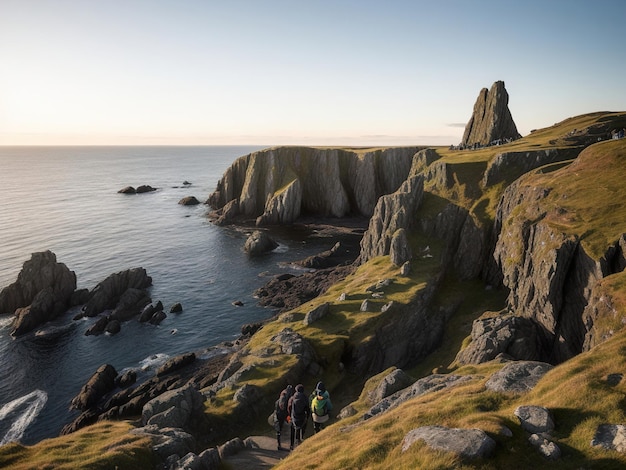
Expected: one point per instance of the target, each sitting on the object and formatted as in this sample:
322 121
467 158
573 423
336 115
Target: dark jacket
299 409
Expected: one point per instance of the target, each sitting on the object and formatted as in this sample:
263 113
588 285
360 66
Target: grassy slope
376 444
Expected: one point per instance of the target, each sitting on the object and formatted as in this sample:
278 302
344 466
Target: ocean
65 199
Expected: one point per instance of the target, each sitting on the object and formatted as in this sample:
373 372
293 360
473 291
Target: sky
316 72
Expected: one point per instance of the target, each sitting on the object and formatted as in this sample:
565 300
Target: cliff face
491 119
279 185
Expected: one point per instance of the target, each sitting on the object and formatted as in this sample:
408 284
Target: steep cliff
278 185
491 120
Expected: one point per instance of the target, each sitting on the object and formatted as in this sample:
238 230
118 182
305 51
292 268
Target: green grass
102 446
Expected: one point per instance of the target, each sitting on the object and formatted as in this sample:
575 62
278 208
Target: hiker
280 411
321 406
298 407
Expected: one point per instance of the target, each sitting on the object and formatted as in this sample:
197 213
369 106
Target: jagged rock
86 418
432 383
108 292
174 408
227 214
259 243
491 120
317 313
128 190
504 334
468 443
336 255
42 291
535 419
126 379
210 458
79 297
545 447
392 212
190 461
250 328
423 159
390 384
277 185
167 441
189 201
610 437
518 377
99 326
400 250
158 317
130 304
175 363
100 383
231 447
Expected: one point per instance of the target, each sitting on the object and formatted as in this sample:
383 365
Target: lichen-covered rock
491 119
610 437
167 441
317 313
174 408
468 443
535 419
518 377
545 446
390 384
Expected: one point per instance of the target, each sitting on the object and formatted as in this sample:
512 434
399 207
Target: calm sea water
65 199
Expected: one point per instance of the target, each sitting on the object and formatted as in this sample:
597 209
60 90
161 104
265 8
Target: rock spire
491 120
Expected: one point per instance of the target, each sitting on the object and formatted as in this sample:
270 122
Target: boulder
113 327
158 317
42 291
535 419
99 326
468 443
130 304
231 447
145 188
390 384
610 437
128 190
259 243
491 119
189 201
248 395
174 408
545 447
126 379
100 383
176 308
518 377
147 313
317 313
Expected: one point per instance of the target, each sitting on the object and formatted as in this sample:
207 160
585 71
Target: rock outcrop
259 243
491 120
43 290
278 185
108 293
468 443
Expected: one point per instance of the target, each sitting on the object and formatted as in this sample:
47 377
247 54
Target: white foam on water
153 361
23 411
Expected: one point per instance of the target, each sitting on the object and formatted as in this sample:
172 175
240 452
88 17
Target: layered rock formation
277 186
42 291
491 120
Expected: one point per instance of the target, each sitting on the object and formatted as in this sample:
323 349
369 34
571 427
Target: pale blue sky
298 72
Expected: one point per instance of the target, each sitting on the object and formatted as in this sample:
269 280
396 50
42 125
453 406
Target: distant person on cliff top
281 413
298 407
321 406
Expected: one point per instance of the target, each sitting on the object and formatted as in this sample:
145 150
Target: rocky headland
477 323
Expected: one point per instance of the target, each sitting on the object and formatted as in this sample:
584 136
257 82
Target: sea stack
491 120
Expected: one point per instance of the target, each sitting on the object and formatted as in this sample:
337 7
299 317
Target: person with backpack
281 412
321 406
298 407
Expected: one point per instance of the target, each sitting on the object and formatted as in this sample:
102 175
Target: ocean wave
5 322
153 361
22 411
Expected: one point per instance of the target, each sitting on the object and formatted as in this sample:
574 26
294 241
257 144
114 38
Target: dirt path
263 457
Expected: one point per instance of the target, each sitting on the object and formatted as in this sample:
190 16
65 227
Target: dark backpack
299 409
